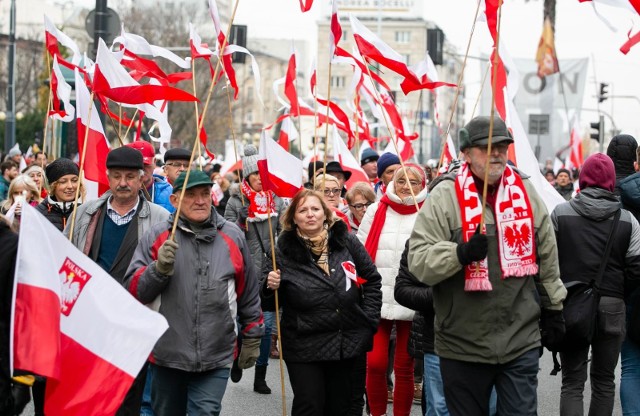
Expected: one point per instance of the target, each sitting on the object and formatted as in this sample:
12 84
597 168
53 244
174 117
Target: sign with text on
373 8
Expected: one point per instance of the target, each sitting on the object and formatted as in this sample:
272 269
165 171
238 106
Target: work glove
243 214
473 250
552 328
166 257
249 352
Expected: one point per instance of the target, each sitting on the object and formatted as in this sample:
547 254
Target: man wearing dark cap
176 160
564 185
369 163
108 230
490 285
205 281
157 187
582 227
312 170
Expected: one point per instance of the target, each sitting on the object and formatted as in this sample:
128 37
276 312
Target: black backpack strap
607 250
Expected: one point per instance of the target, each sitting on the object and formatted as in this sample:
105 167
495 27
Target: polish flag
290 90
74 324
448 154
575 159
305 5
336 30
349 163
198 49
426 77
288 133
112 81
313 81
95 163
53 36
633 6
139 46
280 171
61 91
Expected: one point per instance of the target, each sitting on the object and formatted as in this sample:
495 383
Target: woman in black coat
62 175
330 294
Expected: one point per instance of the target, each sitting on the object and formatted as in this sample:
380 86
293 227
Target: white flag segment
342 154
53 36
198 49
94 334
280 171
139 45
62 93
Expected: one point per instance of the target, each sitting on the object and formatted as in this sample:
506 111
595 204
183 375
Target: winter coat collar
595 203
290 243
95 205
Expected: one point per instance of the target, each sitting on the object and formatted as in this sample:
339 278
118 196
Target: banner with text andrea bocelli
544 96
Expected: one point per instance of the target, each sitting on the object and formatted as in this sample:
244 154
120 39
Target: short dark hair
36 154
7 165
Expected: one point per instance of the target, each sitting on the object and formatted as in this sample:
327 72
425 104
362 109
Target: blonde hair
54 187
28 183
322 180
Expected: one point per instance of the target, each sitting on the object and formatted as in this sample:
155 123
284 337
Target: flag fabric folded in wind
290 90
139 46
288 133
60 91
426 76
111 80
280 171
633 6
53 36
336 30
305 5
348 162
546 55
95 163
75 325
575 159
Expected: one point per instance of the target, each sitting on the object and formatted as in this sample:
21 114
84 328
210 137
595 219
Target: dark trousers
358 381
321 388
605 349
133 400
467 386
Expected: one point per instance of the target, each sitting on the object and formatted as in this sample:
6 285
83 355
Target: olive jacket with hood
491 327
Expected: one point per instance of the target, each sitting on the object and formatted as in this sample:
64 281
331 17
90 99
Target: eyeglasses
178 164
403 182
335 191
360 206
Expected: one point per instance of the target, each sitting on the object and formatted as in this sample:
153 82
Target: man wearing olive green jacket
491 286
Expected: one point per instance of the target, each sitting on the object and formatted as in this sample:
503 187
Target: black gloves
551 328
473 250
243 214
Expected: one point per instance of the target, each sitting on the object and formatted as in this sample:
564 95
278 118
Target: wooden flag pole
201 122
81 172
455 98
274 266
126 133
46 116
394 140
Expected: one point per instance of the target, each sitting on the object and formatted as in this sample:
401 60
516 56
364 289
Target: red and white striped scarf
514 225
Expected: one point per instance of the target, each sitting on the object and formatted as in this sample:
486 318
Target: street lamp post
10 122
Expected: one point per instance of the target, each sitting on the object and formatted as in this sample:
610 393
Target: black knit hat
563 170
60 167
126 158
622 150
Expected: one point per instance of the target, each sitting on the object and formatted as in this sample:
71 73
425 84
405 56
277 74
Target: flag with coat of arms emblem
75 325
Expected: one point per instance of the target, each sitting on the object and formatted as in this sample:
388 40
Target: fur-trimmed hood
290 243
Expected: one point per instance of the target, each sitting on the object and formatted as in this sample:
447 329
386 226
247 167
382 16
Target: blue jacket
4 188
161 192
629 190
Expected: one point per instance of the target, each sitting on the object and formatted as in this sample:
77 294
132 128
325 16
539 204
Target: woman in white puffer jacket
385 228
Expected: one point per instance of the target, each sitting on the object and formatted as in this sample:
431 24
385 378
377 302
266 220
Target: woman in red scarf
385 228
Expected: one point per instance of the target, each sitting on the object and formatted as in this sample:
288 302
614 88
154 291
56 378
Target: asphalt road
241 400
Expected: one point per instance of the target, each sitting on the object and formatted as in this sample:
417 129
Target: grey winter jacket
87 220
213 283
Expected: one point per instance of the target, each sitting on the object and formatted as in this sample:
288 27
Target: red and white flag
60 92
111 80
305 5
632 6
348 162
74 324
95 163
336 30
575 159
140 46
53 36
288 133
280 171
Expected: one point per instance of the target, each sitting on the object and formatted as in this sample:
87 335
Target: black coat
413 294
54 213
9 244
321 320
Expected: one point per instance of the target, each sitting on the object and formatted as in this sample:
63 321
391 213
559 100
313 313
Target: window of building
403 36
406 57
338 82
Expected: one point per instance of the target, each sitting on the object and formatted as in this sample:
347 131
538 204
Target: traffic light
603 92
599 130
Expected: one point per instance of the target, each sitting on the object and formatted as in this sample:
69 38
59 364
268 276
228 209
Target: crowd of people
409 287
